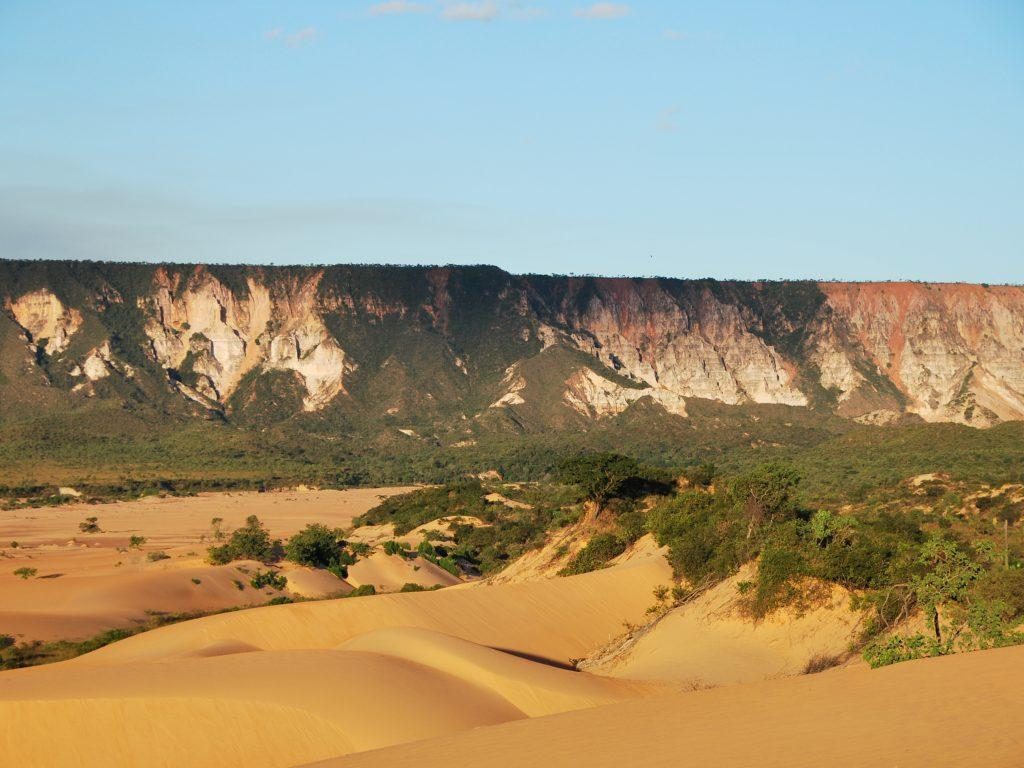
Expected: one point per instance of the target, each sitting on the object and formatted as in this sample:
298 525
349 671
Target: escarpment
383 344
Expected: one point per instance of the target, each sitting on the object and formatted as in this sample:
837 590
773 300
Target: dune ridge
961 710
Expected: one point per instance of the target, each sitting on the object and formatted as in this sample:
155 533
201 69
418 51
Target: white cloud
603 11
397 8
487 10
295 39
668 120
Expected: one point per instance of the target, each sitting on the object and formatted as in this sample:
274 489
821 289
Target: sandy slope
952 711
390 572
281 685
711 642
557 620
86 583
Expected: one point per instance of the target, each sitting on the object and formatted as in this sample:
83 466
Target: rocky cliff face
458 343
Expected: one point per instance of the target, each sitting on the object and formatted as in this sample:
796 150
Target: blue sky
853 140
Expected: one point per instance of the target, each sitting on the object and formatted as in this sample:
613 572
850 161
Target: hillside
233 377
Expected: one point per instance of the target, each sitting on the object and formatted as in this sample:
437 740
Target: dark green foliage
89 525
262 579
600 476
413 509
599 550
363 591
250 542
395 548
318 546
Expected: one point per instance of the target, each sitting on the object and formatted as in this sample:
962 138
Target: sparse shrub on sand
25 572
270 579
136 542
820 662
599 550
363 591
318 546
395 548
250 542
154 557
89 525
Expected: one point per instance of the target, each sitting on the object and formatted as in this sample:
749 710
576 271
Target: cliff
430 347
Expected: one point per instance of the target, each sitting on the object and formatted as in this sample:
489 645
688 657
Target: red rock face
955 351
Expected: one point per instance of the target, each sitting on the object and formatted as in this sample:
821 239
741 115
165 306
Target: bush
317 546
363 591
135 542
270 579
820 662
395 548
599 550
250 542
155 556
89 525
25 572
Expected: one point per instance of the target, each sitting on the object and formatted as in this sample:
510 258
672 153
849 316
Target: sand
281 685
556 621
711 641
952 711
86 583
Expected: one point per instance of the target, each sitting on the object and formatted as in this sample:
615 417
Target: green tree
316 546
250 542
600 476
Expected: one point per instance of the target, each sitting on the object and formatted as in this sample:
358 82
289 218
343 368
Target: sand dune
710 641
241 709
282 685
388 573
534 689
558 620
951 711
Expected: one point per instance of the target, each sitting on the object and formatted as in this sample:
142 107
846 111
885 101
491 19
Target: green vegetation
318 546
157 556
25 573
410 510
89 525
250 542
262 579
136 542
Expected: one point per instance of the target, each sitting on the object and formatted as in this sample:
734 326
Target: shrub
155 556
362 591
317 546
89 525
599 550
820 662
135 542
270 579
250 542
395 548
25 572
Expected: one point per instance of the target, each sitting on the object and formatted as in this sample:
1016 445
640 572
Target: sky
831 140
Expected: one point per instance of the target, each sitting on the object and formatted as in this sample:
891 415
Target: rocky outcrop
494 343
222 335
956 352
44 319
591 394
